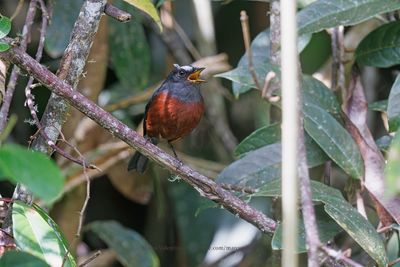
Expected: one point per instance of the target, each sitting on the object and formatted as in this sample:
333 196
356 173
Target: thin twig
244 19
26 31
91 258
17 9
205 186
392 263
116 13
339 256
238 188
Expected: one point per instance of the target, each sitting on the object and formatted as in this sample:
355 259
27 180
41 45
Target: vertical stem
290 128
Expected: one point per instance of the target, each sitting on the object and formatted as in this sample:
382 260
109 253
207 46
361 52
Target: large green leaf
264 164
35 232
343 213
381 47
316 93
16 258
5 26
241 77
261 137
392 168
62 23
327 229
333 139
393 109
130 247
33 169
147 7
129 52
324 14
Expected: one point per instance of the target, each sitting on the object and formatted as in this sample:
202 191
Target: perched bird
173 111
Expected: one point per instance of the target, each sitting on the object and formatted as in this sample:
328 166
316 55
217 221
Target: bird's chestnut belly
171 118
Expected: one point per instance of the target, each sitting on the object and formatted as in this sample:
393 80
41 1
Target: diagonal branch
71 68
205 186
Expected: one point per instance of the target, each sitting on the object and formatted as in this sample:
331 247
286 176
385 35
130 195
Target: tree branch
71 67
205 186
7 98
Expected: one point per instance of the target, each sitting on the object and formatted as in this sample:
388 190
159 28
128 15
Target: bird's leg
173 150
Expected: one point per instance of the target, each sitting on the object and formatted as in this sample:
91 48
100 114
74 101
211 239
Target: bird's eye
181 72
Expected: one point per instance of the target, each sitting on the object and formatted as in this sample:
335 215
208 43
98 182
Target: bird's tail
139 162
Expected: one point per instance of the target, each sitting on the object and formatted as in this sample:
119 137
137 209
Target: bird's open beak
195 76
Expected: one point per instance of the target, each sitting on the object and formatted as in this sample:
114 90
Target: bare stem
244 19
116 13
26 31
338 256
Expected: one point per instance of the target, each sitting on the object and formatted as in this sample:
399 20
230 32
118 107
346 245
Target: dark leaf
129 52
131 248
33 169
316 93
261 137
147 7
62 23
343 213
384 142
325 14
380 106
393 109
21 259
381 47
327 229
241 77
334 140
264 164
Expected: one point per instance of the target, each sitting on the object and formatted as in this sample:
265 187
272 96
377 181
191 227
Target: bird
173 111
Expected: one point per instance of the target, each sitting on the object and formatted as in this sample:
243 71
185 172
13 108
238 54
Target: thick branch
202 184
71 68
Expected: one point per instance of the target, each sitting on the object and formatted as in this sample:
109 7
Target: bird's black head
186 73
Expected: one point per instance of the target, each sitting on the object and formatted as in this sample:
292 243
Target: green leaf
333 139
131 248
359 228
324 14
264 164
37 234
261 137
16 258
129 52
381 47
316 93
327 229
392 168
33 169
147 7
5 26
241 77
380 106
4 47
393 109
384 142
58 33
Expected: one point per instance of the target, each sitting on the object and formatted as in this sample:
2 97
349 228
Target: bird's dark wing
164 87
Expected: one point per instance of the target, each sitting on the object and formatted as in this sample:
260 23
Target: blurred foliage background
127 62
